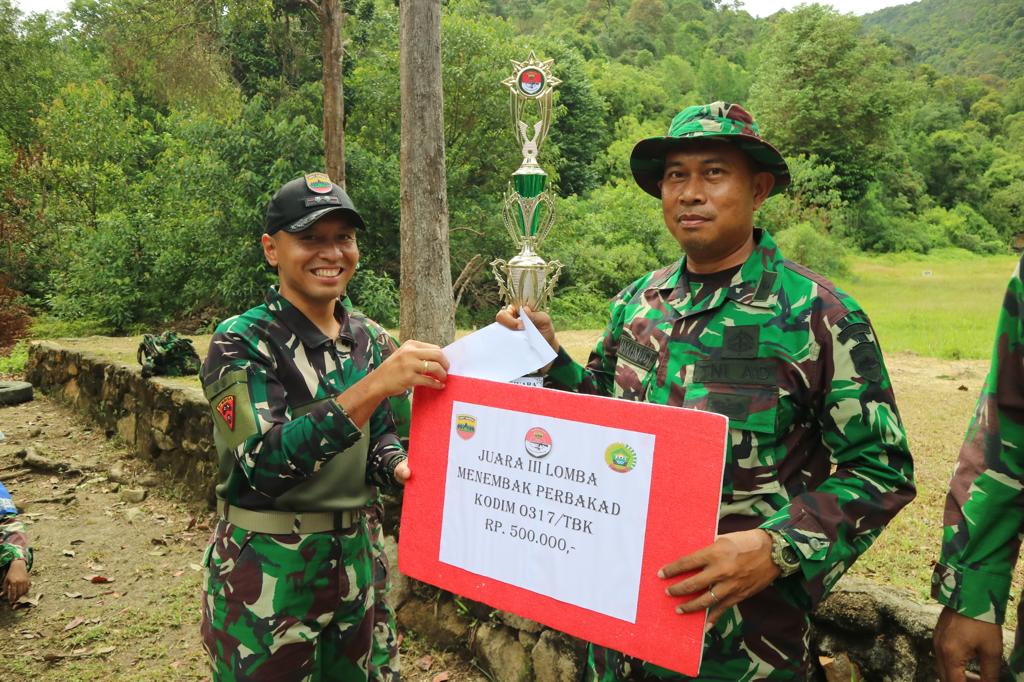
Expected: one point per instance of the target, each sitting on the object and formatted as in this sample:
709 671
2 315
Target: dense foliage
141 139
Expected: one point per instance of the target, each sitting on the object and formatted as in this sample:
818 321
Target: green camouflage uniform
984 515
13 543
298 605
793 363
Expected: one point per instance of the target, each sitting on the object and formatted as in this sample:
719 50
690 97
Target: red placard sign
682 510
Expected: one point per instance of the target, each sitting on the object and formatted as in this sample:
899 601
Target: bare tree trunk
427 309
332 51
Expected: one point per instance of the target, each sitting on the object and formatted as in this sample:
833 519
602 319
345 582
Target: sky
759 8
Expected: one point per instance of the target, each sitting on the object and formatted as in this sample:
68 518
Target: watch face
789 556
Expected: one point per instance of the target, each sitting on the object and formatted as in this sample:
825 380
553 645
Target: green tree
822 88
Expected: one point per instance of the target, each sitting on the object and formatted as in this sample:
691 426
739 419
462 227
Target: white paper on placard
550 505
498 353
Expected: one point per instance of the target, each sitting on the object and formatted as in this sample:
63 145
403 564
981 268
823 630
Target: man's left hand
737 566
402 471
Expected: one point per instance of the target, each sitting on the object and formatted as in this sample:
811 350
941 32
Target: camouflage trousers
765 637
299 607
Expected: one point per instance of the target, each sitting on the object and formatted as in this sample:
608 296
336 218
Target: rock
126 429
133 513
35 432
162 440
519 623
400 588
149 481
133 495
441 624
557 658
161 421
502 653
115 486
116 473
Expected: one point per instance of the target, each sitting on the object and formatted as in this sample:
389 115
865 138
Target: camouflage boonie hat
727 122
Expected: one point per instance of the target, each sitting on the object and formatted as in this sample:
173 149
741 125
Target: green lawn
942 305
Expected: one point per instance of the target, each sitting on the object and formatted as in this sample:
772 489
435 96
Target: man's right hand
415 363
959 640
509 317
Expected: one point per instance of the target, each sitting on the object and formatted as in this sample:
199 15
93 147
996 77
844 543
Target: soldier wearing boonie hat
733 327
299 391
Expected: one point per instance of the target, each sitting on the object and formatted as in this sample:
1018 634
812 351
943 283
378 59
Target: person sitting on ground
15 555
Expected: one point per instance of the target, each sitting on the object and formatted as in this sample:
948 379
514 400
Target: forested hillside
141 139
970 38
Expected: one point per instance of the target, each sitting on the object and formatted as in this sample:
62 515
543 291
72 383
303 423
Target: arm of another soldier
830 526
598 377
15 553
984 511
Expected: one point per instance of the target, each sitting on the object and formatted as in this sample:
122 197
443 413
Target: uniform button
816 544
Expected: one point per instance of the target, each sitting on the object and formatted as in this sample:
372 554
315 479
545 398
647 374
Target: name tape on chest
757 372
637 354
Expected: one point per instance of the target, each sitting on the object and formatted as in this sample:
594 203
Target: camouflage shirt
984 513
270 375
817 448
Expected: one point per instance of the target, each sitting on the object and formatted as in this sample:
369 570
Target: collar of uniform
755 284
309 334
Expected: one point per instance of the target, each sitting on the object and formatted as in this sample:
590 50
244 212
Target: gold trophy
529 211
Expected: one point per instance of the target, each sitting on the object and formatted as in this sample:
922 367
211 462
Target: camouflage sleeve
14 541
275 453
984 513
598 377
387 446
831 525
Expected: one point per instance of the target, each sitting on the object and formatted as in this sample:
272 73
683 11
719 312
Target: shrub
809 247
376 295
579 307
14 317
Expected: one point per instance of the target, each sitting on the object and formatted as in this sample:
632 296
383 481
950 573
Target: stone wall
883 631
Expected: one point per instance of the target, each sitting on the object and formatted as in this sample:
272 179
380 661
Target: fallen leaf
158 552
27 602
73 595
95 567
424 662
69 552
97 579
75 622
77 542
103 650
195 567
442 677
177 573
158 541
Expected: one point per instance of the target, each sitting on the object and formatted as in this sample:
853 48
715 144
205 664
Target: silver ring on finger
713 595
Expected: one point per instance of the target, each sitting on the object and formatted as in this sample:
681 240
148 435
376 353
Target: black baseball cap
303 201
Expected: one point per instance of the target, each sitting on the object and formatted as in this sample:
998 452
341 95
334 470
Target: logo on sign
465 426
620 457
530 81
538 442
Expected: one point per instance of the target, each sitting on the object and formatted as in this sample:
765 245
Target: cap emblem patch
319 183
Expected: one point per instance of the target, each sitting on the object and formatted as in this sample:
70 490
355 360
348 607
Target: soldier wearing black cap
299 388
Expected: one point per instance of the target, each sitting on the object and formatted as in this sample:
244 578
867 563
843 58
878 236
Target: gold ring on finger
426 366
713 595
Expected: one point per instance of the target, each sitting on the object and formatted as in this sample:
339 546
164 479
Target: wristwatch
783 555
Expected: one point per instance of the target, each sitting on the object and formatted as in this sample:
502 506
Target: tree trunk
332 51
427 309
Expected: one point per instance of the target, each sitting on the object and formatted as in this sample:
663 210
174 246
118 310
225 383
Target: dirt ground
141 624
115 584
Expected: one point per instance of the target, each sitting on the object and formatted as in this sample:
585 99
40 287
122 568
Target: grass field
942 305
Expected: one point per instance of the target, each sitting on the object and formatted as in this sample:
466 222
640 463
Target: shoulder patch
867 361
226 409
